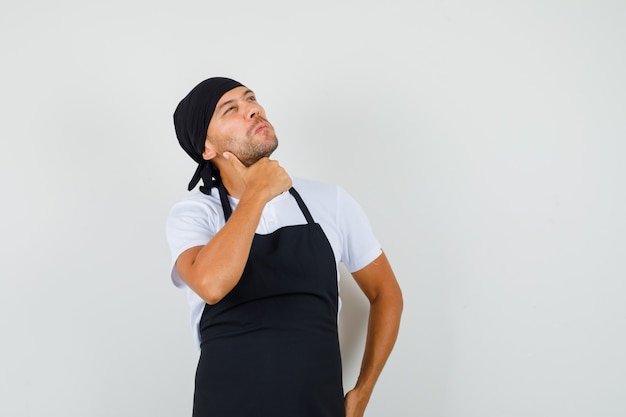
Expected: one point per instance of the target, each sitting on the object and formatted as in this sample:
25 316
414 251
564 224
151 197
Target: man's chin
253 154
251 161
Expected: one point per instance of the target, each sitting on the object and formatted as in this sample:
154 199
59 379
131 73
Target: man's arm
213 270
379 284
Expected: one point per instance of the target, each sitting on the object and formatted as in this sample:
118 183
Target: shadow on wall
352 326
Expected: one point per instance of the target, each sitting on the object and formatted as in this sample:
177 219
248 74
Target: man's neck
232 181
235 189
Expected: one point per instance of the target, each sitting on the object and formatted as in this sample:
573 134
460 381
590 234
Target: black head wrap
191 120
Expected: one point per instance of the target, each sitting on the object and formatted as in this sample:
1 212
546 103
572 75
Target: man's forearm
215 269
379 284
382 332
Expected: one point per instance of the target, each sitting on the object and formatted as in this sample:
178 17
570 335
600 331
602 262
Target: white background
485 140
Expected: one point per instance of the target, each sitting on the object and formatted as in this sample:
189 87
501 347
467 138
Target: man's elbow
207 287
397 300
391 297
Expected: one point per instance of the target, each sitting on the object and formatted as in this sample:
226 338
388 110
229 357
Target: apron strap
303 207
228 209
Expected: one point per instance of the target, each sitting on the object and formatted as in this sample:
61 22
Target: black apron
270 347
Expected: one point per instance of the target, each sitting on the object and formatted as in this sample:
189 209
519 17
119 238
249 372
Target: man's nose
253 110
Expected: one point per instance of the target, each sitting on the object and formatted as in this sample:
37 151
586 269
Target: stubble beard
255 151
248 151
245 148
251 150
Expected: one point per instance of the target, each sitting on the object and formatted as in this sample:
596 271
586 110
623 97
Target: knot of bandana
191 120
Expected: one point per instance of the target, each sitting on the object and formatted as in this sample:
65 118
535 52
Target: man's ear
209 151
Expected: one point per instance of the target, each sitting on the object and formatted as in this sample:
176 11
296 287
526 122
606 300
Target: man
258 253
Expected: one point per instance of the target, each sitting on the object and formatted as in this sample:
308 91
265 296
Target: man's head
219 115
239 126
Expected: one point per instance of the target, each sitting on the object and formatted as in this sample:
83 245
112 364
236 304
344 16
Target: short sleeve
190 223
359 244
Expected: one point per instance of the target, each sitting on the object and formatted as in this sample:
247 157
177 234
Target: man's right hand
265 177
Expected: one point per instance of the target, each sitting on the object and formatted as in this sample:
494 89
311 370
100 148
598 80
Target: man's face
239 126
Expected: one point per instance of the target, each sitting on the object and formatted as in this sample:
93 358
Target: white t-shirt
196 219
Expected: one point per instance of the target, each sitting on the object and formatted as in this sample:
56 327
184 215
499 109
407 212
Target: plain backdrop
484 139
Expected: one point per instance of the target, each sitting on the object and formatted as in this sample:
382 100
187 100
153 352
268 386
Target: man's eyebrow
245 93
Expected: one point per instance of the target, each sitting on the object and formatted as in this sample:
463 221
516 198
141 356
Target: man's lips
259 127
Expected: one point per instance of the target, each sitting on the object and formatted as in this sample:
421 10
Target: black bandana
191 120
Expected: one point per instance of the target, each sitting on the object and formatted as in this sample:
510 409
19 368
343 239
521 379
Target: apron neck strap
303 207
228 209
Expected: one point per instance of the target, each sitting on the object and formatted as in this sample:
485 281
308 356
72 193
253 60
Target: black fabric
270 347
223 199
303 207
191 120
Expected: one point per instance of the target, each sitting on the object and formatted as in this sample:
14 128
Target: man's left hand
355 403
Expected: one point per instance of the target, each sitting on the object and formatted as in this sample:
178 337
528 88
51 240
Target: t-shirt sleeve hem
365 260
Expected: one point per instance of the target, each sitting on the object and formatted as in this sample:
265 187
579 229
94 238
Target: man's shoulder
308 185
326 196
196 202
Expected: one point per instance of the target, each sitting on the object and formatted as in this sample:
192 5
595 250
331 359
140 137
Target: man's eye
251 98
229 109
